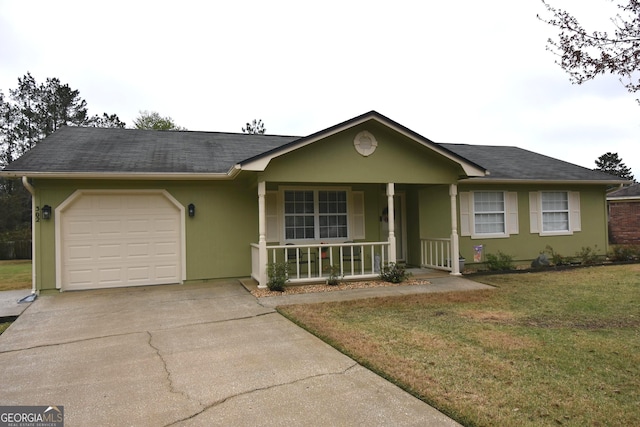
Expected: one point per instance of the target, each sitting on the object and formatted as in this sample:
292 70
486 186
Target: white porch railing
312 262
436 253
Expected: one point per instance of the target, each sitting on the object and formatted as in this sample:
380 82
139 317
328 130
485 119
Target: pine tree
612 164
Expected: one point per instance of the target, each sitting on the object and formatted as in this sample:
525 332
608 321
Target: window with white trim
299 214
555 211
315 214
489 212
332 214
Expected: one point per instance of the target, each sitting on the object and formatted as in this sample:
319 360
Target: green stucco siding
217 237
434 204
525 245
226 221
335 160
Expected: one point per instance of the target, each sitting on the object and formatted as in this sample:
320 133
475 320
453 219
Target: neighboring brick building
624 215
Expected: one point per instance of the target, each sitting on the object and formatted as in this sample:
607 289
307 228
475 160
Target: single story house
624 215
124 207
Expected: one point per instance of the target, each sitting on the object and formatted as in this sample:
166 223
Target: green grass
551 348
15 275
4 326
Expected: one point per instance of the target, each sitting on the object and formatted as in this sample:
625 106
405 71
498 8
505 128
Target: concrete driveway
189 355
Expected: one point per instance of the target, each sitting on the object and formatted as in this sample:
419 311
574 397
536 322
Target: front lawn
549 348
15 274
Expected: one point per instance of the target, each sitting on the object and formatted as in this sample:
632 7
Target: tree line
29 113
33 110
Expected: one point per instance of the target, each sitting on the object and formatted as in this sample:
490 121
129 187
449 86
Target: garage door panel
110 276
79 253
163 272
109 252
103 226
164 225
81 278
138 226
166 249
111 240
138 250
139 273
79 228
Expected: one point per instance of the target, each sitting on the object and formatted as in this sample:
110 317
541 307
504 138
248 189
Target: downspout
32 191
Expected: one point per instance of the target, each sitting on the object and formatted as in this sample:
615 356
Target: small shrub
588 256
278 275
499 262
556 258
394 273
334 275
624 253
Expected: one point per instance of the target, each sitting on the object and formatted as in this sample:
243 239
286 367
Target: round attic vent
365 143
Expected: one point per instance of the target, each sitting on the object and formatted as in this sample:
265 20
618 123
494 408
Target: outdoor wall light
192 210
46 212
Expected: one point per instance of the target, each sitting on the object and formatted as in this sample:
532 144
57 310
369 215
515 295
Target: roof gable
260 161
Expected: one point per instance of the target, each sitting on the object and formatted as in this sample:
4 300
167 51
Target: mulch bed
303 289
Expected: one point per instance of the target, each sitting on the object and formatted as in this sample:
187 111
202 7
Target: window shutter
534 211
512 213
271 214
574 211
465 214
357 215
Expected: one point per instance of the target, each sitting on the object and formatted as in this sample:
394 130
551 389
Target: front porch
353 261
358 259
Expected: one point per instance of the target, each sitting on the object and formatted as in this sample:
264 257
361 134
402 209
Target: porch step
426 273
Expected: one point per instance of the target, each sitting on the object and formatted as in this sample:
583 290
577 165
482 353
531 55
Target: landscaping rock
541 261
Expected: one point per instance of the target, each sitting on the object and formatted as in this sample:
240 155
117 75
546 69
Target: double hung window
555 211
489 212
315 214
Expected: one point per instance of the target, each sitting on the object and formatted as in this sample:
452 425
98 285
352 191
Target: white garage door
111 240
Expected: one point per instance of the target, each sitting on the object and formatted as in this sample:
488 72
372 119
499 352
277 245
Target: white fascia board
125 176
623 199
535 181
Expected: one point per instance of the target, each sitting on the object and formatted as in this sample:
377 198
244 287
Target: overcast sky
463 71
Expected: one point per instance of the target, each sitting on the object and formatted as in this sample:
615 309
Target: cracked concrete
188 355
169 381
248 392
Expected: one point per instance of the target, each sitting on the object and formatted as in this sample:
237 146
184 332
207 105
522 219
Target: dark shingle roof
132 151
85 149
513 163
632 191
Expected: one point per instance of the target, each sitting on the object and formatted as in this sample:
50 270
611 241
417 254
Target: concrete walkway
10 305
189 355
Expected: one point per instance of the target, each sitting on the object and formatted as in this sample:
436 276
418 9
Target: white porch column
455 244
392 222
262 235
